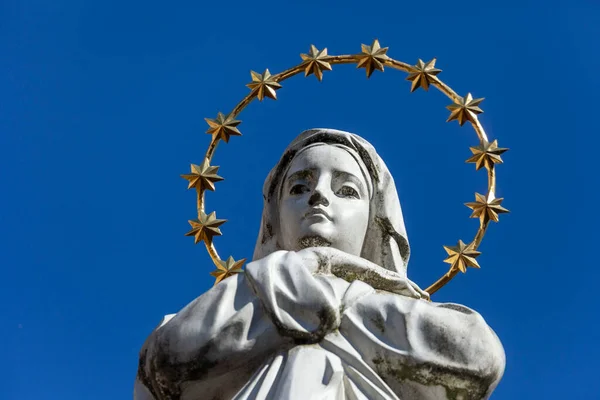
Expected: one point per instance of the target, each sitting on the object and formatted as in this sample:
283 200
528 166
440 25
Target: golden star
422 75
228 268
461 256
264 84
205 227
486 154
203 176
486 208
315 62
223 127
372 58
465 110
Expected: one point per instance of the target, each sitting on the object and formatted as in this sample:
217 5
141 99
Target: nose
318 198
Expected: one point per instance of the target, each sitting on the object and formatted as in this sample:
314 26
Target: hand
328 260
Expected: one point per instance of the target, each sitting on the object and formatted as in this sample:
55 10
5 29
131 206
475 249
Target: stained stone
325 309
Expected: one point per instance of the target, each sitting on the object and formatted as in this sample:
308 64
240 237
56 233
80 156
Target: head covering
353 154
386 242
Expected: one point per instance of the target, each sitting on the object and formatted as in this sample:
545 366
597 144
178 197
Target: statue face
324 201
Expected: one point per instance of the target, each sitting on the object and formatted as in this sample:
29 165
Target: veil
385 243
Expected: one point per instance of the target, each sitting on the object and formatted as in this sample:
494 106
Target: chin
313 241
323 230
314 234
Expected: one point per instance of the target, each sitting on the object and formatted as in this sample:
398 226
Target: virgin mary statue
325 309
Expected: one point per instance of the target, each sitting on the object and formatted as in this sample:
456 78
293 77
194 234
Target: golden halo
487 154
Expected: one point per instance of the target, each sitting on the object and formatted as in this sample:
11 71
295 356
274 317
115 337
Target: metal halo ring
463 109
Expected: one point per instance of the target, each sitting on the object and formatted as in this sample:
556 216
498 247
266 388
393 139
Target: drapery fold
280 331
287 330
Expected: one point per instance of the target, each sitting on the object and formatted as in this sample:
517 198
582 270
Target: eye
348 191
298 189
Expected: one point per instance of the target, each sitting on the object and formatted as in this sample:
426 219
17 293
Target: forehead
325 158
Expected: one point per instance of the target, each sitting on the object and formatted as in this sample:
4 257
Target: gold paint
480 233
205 227
447 90
461 256
437 285
223 127
465 109
399 65
479 130
486 207
345 59
202 177
372 58
228 268
422 74
315 62
264 85
486 155
288 73
212 252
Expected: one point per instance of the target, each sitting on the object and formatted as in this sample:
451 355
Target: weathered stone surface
325 310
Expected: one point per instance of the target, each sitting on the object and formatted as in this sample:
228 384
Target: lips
317 211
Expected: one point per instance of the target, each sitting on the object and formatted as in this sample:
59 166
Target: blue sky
102 106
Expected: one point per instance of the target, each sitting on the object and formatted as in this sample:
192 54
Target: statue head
324 200
331 188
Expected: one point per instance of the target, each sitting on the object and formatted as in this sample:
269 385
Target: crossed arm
288 299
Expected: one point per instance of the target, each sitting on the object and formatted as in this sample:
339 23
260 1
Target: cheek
289 211
353 214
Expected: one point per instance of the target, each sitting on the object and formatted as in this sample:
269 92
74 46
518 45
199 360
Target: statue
325 309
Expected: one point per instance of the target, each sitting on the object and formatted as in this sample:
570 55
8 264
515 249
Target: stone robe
280 332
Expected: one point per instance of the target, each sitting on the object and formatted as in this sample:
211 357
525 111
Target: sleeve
303 305
236 326
425 350
224 331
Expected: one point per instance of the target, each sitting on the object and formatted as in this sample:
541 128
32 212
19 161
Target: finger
403 288
424 294
415 294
